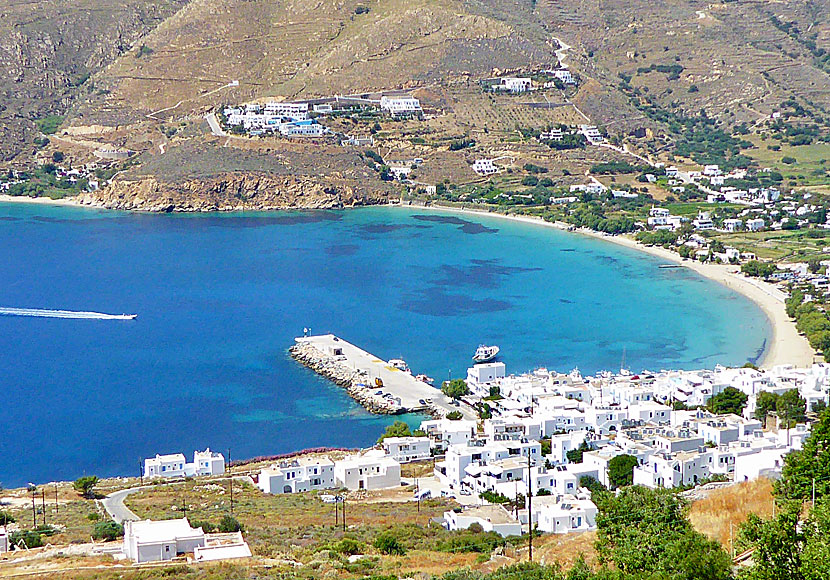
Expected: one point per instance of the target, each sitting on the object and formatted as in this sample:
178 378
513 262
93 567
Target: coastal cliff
235 191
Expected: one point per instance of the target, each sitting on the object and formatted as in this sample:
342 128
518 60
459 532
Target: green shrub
349 547
229 524
107 531
387 543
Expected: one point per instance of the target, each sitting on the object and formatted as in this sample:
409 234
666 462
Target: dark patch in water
567 249
467 227
435 302
481 273
277 220
342 250
9 219
374 229
566 301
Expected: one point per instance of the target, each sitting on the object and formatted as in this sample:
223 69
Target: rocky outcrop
236 191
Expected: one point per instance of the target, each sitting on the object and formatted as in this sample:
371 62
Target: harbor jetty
374 383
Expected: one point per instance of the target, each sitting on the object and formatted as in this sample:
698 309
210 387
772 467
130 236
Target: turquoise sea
220 298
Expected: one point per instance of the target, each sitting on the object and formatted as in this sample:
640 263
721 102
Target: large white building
297 475
368 471
482 376
404 105
154 541
406 449
205 462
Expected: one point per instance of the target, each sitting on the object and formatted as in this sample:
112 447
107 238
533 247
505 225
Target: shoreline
66 201
785 346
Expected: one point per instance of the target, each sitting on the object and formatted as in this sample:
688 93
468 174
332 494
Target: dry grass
729 507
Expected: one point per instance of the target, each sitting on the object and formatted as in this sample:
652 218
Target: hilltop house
404 105
513 85
484 167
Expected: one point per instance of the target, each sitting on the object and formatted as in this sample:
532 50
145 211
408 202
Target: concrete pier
357 371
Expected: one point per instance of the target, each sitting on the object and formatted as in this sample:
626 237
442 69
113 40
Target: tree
730 400
6 518
646 534
811 462
229 524
758 269
396 429
387 543
764 403
455 388
791 408
107 531
575 455
85 484
778 544
621 470
57 157
454 415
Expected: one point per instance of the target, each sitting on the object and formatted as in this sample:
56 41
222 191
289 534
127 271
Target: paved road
214 125
114 504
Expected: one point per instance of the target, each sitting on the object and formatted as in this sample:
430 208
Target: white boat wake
42 313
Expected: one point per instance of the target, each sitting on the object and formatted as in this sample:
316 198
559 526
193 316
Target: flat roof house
156 541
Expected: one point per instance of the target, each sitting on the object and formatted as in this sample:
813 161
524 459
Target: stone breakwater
355 382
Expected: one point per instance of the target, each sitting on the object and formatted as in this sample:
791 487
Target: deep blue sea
220 297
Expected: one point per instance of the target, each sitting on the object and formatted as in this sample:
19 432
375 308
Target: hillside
49 50
142 78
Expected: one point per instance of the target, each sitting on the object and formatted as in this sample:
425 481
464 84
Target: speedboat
485 353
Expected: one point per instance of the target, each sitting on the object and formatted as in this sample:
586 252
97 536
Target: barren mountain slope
49 48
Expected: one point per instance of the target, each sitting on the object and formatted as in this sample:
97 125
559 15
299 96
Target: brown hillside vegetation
730 506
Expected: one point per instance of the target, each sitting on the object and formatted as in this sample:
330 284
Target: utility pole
34 512
529 510
344 513
231 477
140 473
56 498
336 509
418 493
43 502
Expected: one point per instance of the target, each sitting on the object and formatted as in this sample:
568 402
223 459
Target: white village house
154 541
406 449
371 470
297 475
205 462
491 518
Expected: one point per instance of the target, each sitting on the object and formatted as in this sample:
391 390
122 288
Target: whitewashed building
484 167
368 471
562 514
155 541
297 475
491 518
406 449
405 105
4 540
482 376
205 462
444 433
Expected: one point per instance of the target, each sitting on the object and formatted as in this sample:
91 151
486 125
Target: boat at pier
485 353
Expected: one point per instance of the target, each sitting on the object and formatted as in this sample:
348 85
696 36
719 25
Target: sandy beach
4 198
785 347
